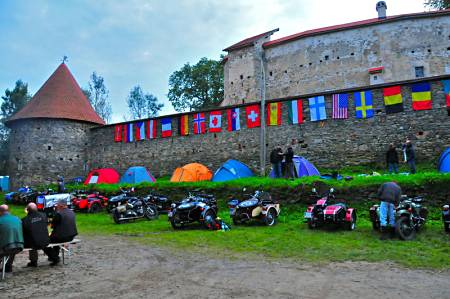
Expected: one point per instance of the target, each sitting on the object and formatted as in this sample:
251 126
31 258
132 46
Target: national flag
317 108
446 84
274 114
184 125
421 96
166 127
363 104
234 123
340 106
215 121
139 131
118 133
199 123
295 112
393 101
150 130
128 132
253 116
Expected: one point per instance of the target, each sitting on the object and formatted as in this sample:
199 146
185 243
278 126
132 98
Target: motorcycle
259 206
132 210
410 216
325 212
446 217
91 203
46 201
126 195
160 201
194 208
24 195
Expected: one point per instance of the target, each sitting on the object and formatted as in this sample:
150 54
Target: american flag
340 106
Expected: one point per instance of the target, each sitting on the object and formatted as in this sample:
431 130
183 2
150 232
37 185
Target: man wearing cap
64 230
11 237
35 232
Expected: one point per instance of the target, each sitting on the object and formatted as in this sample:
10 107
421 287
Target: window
19 165
419 71
49 148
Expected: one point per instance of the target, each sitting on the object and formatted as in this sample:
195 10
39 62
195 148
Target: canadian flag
253 116
215 121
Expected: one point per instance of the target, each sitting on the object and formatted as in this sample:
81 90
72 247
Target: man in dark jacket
392 159
276 156
64 230
35 232
410 155
288 160
11 237
389 194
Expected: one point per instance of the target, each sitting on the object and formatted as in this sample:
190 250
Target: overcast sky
142 41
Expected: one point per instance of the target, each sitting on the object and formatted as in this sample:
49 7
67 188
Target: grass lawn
290 239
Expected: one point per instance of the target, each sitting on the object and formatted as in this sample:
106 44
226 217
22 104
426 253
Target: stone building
362 53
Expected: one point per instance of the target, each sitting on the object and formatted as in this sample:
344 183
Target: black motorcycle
126 195
162 202
194 208
133 209
446 217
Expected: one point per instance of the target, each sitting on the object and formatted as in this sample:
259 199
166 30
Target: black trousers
53 252
10 261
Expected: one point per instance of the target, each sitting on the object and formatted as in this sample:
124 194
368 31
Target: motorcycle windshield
248 203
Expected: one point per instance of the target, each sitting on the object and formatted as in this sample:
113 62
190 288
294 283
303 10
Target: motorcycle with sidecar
196 207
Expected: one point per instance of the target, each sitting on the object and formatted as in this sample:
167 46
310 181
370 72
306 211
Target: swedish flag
364 104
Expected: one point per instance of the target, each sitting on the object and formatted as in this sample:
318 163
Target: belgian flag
184 125
393 99
421 96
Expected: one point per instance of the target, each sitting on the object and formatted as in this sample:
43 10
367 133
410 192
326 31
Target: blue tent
302 166
136 175
444 161
231 170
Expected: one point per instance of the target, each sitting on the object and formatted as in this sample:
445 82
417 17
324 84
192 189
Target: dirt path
117 268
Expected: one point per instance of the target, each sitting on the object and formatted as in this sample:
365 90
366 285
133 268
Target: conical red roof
59 97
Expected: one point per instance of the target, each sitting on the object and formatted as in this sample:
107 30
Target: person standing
410 155
35 232
276 156
11 237
392 159
289 163
389 193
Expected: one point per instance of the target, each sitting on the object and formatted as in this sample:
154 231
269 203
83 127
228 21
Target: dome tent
302 166
192 172
102 176
230 170
444 161
136 175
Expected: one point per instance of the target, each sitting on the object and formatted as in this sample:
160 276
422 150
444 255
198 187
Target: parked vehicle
410 216
259 206
24 195
162 202
193 208
91 203
133 209
126 195
326 212
446 217
46 202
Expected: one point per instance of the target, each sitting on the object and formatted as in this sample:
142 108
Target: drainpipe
262 140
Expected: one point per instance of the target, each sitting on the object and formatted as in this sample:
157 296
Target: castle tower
49 136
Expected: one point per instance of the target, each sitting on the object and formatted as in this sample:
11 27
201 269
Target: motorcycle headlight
173 205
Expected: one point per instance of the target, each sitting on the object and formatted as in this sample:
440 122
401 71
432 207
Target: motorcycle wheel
312 224
211 214
175 224
151 212
376 225
236 221
95 208
269 220
447 227
352 224
404 229
116 217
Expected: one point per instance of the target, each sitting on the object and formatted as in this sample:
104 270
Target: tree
196 87
438 4
142 105
97 94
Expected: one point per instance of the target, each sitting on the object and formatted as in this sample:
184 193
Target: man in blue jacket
11 237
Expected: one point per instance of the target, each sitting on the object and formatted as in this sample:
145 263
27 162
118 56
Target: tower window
49 147
326 57
419 71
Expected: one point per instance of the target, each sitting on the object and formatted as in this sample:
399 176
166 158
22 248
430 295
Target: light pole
262 139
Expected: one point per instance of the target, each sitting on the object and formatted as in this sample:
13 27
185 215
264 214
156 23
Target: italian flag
295 112
274 114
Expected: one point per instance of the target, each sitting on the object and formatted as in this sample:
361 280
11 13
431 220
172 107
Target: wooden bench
65 247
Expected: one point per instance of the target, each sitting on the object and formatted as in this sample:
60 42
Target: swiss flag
253 116
215 121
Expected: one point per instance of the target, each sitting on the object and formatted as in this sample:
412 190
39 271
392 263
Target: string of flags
363 101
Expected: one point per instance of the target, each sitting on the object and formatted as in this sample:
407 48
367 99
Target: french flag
139 131
234 123
128 132
166 127
150 129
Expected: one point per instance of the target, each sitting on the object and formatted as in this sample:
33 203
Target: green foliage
197 87
142 105
438 4
97 94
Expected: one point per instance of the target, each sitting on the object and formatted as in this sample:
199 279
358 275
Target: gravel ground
117 267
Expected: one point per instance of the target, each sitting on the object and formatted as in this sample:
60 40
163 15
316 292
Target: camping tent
103 175
302 166
231 170
444 161
191 173
136 175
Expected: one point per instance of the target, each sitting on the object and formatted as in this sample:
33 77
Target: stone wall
42 149
331 143
340 60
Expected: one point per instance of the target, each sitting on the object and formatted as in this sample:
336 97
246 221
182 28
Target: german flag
393 99
274 114
184 125
421 96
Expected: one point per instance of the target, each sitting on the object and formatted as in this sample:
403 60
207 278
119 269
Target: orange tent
191 173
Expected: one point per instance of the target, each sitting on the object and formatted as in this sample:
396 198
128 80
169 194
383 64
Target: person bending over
389 194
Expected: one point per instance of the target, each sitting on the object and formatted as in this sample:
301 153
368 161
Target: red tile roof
59 97
353 25
249 41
